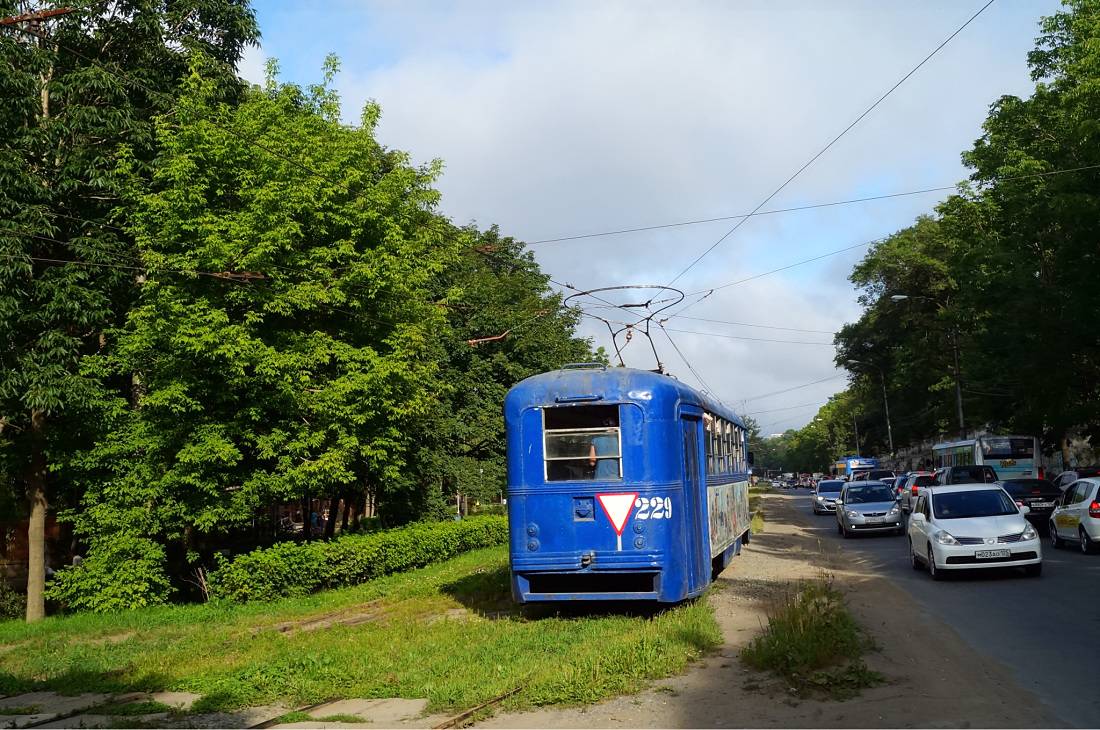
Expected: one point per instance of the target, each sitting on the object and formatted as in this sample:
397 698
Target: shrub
121 572
299 569
12 604
490 509
809 632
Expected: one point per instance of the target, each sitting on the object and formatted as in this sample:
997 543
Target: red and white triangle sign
617 507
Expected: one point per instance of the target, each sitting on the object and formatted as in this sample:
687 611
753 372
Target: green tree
62 123
504 324
284 333
911 342
1031 242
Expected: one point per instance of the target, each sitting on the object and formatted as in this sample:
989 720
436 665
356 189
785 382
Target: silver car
868 507
825 494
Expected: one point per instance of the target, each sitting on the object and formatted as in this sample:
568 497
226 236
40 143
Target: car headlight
820 498
894 510
943 537
852 513
1030 533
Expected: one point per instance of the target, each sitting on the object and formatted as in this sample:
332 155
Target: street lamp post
955 357
885 400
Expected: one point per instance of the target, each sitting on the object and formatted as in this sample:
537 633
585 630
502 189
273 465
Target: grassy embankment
756 494
436 632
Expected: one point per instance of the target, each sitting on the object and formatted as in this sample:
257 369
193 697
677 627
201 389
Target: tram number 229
653 509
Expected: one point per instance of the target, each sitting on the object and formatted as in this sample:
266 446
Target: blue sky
566 118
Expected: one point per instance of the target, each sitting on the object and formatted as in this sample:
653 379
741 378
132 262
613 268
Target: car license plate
1041 505
987 554
875 520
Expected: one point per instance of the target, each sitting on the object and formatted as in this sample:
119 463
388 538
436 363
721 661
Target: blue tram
622 484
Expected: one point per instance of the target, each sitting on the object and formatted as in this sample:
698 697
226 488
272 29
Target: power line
759 326
707 292
788 418
788 408
826 147
813 206
308 275
753 339
788 390
693 370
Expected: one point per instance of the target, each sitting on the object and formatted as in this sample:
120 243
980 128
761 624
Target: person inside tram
604 444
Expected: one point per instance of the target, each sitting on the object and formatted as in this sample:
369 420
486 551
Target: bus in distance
845 466
1012 457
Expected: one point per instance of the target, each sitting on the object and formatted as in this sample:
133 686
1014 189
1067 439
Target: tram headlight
533 544
639 526
639 542
532 529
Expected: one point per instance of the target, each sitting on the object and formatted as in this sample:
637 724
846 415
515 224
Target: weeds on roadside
25 710
131 708
757 524
813 643
298 716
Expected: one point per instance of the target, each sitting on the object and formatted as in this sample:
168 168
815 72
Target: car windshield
876 492
972 503
970 475
923 480
829 487
1023 487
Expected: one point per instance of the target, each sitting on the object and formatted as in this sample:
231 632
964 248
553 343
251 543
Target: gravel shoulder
933 677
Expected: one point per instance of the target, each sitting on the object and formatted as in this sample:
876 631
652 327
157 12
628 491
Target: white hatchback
970 526
1076 516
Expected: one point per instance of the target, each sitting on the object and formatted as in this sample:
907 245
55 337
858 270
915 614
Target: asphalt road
1047 629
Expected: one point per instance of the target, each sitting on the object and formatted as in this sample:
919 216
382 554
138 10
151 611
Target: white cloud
561 118
252 66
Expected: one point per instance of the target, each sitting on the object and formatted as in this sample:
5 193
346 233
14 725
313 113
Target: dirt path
934 678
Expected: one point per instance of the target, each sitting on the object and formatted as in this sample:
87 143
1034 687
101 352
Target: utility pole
855 422
958 385
885 400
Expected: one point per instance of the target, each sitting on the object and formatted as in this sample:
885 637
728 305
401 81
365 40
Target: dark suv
964 475
1040 495
1066 478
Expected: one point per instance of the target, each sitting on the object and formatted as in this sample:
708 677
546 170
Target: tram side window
727 452
582 443
738 448
712 424
725 445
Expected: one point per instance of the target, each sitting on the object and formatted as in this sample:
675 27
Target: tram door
698 546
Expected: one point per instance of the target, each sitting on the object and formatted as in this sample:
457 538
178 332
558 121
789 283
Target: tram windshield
582 443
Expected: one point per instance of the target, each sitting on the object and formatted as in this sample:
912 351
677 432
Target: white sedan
971 526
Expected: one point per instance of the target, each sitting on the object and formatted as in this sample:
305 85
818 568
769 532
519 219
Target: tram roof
570 385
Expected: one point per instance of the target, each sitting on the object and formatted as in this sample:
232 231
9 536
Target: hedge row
299 569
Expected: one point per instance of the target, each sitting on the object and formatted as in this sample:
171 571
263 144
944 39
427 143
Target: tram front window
582 443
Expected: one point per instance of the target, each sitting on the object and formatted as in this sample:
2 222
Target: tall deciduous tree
61 125
1008 266
503 324
284 333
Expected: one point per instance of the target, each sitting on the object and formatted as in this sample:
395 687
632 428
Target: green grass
130 708
413 640
756 494
298 716
813 643
24 710
340 718
756 526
